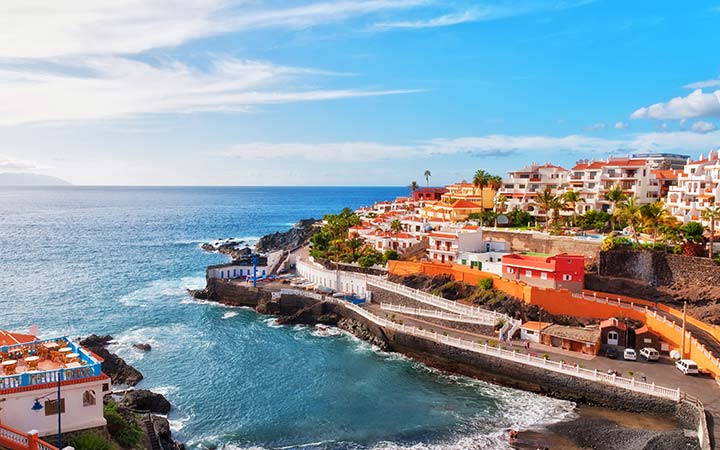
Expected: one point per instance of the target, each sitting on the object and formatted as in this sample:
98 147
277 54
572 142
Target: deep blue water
81 260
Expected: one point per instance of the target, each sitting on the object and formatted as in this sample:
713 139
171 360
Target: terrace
45 361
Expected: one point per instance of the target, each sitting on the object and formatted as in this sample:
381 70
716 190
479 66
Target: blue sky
245 92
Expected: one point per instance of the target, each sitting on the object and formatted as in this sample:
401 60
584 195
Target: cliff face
289 240
677 279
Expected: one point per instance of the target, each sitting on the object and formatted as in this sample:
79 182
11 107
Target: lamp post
37 406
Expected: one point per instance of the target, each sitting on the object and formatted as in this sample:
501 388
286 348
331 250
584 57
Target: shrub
91 441
124 432
486 283
390 255
546 356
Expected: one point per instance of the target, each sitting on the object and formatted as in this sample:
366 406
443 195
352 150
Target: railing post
33 439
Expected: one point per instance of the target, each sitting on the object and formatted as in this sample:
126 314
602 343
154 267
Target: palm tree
396 227
629 212
354 245
615 195
483 179
711 215
654 217
413 186
427 176
500 205
551 203
572 198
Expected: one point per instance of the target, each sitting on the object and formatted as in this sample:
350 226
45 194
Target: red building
428 194
562 271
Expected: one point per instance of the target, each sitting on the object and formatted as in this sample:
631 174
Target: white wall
336 280
16 411
229 272
471 242
530 335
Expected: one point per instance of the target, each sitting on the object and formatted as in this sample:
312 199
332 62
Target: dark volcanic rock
144 400
162 429
114 366
291 239
199 294
311 315
143 347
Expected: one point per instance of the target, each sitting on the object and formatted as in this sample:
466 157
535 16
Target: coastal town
533 273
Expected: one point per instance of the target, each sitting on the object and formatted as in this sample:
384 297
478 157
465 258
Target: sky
348 92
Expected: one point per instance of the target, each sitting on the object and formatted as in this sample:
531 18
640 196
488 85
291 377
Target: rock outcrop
144 400
289 240
120 372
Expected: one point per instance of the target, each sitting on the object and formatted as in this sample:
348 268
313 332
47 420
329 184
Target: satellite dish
502 219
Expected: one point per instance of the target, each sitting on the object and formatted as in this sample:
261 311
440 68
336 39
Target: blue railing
90 368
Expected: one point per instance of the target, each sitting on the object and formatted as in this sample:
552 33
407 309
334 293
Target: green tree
711 215
615 195
551 204
396 227
693 232
629 211
500 205
427 176
91 441
572 198
390 255
654 215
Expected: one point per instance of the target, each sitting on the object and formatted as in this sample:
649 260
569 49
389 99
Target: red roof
8 338
443 235
620 162
465 204
665 174
613 322
536 262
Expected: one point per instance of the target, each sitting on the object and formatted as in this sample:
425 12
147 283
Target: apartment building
522 187
698 188
469 193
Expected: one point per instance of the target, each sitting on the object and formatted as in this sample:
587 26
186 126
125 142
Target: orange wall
562 302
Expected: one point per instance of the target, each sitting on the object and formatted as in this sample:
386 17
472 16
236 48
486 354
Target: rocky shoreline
598 432
133 401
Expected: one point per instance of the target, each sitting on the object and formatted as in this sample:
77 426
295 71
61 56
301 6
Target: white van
650 354
687 366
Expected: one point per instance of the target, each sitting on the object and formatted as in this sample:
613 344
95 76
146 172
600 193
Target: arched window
89 398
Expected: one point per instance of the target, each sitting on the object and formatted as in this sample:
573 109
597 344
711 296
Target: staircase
152 435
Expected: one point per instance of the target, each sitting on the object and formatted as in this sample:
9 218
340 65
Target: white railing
437 314
512 355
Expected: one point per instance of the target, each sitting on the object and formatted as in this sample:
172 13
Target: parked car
687 366
611 353
629 354
650 354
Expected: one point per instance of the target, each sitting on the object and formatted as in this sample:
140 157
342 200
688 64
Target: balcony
49 368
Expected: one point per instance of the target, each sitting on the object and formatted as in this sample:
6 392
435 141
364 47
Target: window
106 387
543 275
51 407
567 277
529 332
528 273
89 398
510 270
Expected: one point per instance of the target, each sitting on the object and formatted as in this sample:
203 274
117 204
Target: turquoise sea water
117 261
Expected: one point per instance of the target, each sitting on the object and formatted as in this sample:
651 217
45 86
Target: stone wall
667 269
234 294
543 243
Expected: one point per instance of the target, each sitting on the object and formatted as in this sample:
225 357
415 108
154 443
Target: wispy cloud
11 164
696 104
500 10
115 87
620 125
489 146
596 127
703 84
702 126
41 29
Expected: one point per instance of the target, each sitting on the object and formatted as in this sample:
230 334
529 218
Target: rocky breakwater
133 400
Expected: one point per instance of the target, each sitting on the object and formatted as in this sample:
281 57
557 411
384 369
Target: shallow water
118 261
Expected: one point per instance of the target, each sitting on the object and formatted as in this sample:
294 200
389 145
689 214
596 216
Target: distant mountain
30 179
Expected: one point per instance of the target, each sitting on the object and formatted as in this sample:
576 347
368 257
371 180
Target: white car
650 354
687 366
629 355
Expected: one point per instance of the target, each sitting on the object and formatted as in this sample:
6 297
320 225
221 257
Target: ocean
118 261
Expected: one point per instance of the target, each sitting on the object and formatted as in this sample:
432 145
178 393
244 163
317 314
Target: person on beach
513 435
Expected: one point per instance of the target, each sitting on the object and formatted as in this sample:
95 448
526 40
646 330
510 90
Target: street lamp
37 406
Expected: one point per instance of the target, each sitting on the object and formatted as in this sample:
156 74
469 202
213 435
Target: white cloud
621 125
115 87
484 146
596 127
703 127
42 29
696 104
703 84
11 164
441 21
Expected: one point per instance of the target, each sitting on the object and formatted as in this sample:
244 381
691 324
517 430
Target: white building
522 187
466 246
32 371
698 188
336 280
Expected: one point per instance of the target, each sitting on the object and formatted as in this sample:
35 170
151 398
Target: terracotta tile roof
465 204
667 174
8 338
613 322
620 162
536 326
443 235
